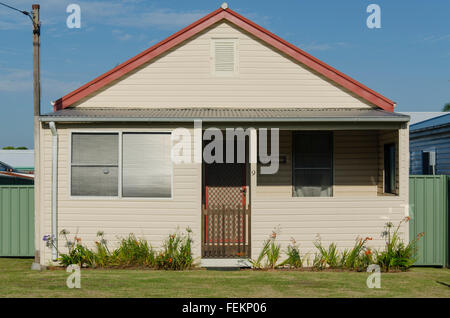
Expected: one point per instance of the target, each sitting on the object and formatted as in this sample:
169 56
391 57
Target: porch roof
218 114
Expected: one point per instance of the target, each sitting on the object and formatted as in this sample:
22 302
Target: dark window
312 164
428 162
389 168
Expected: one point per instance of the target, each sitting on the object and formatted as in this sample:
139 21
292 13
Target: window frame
213 57
332 168
392 173
120 168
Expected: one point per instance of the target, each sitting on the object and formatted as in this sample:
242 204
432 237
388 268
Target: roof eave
396 119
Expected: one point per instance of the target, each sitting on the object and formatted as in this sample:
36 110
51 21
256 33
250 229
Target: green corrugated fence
17 220
428 200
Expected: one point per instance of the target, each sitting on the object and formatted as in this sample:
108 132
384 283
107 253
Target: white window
95 164
224 56
147 165
145 169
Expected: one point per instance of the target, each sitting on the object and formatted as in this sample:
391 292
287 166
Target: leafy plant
357 258
77 253
257 264
270 253
273 252
176 253
397 254
132 252
294 260
326 256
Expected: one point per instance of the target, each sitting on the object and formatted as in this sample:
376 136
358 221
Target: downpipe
54 189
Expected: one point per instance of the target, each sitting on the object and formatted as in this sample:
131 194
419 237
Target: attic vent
224 57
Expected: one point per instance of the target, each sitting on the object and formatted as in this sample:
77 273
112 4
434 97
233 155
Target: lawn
17 280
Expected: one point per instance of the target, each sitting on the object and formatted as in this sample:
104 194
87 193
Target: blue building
429 146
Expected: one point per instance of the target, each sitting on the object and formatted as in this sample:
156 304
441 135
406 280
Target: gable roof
259 32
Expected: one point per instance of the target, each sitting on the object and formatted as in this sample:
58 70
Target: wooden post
36 113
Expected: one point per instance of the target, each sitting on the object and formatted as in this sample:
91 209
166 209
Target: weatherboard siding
153 219
183 77
340 219
354 212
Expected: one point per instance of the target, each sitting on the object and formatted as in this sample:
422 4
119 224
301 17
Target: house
430 146
20 160
323 154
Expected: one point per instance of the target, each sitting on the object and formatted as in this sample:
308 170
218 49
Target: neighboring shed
14 178
20 160
430 146
417 117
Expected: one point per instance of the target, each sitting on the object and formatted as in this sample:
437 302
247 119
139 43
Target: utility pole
36 65
36 114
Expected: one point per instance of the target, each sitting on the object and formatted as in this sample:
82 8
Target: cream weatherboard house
105 152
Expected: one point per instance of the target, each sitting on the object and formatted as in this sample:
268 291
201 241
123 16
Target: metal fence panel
428 199
17 220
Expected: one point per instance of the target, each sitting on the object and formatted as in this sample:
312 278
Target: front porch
333 180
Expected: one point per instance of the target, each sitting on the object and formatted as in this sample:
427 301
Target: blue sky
407 60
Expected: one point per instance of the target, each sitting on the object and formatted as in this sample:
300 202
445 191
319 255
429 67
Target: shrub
176 253
359 257
133 252
325 257
294 260
270 252
77 254
397 254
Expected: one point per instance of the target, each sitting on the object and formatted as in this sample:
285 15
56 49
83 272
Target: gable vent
224 57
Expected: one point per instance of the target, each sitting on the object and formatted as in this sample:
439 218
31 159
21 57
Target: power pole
36 113
36 66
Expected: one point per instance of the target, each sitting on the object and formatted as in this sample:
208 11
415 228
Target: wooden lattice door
225 212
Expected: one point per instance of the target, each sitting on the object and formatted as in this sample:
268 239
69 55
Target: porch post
403 171
197 162
253 163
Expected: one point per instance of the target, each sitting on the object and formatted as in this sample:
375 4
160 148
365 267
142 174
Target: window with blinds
224 57
95 164
147 165
312 164
145 169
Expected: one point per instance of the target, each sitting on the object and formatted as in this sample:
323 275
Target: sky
406 60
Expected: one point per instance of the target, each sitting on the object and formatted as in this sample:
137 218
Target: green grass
17 280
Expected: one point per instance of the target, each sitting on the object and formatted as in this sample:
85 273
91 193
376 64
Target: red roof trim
247 25
18 175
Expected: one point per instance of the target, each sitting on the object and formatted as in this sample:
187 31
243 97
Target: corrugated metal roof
222 114
433 122
417 117
18 158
